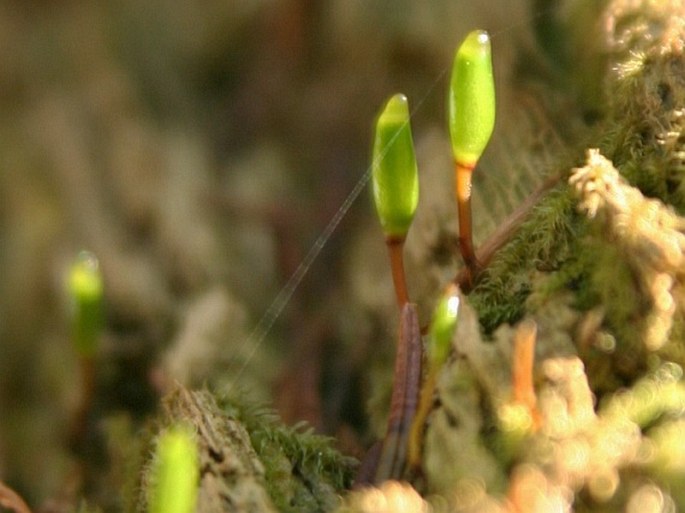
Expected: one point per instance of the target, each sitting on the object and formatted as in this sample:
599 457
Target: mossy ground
183 153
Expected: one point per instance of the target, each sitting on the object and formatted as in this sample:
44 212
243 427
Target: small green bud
86 290
471 99
394 169
442 327
175 472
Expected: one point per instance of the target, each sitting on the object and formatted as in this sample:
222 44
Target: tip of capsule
476 43
396 110
398 99
85 279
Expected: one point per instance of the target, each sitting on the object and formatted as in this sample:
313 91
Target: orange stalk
12 500
522 371
462 179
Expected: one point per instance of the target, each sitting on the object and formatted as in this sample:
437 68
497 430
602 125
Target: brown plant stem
79 426
503 233
462 181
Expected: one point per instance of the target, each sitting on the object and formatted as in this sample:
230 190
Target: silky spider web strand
271 315
275 309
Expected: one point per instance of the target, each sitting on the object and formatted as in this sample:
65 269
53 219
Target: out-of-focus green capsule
394 169
471 100
175 472
86 291
442 327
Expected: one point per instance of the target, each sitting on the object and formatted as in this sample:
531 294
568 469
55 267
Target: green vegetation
395 174
183 146
175 471
471 99
86 291
443 324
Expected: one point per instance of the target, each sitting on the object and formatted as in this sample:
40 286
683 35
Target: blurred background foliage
198 149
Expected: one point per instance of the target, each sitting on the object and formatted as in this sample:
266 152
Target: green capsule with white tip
443 325
471 101
85 287
174 473
394 170
442 328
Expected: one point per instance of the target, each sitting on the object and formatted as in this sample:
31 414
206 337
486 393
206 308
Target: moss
608 241
547 241
250 461
231 475
84 507
641 133
303 471
645 89
598 264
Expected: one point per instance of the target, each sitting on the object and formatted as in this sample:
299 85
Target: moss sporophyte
86 291
396 195
443 325
85 288
175 472
395 174
471 115
395 183
471 106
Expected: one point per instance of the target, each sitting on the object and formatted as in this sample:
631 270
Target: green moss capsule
394 169
471 100
86 290
442 328
175 472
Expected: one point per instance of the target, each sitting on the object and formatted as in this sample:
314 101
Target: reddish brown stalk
504 232
79 427
462 180
522 368
396 249
10 499
405 395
